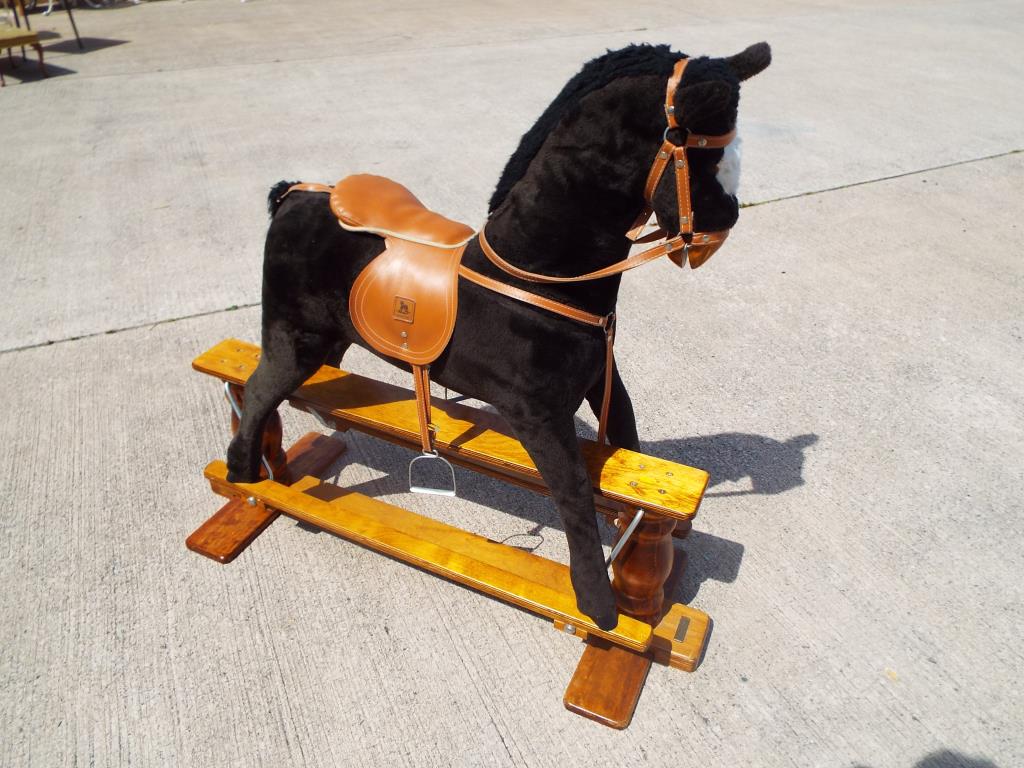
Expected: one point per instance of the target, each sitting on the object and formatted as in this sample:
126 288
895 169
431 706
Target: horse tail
276 195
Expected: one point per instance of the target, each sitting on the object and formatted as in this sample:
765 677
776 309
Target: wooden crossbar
235 525
532 582
469 436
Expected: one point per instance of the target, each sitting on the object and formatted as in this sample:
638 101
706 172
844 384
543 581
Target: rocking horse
520 315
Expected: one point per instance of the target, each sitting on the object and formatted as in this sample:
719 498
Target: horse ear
748 63
704 99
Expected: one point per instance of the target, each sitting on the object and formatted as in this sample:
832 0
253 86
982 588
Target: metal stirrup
430 456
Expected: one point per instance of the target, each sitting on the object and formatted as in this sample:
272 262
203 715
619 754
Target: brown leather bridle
695 247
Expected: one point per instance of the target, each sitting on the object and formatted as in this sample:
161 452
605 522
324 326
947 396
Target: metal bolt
686 219
661 490
705 238
570 629
680 163
251 501
702 143
404 335
669 474
662 155
632 483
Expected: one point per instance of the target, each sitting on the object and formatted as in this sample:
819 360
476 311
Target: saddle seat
367 203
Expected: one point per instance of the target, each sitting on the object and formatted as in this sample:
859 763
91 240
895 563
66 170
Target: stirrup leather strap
421 382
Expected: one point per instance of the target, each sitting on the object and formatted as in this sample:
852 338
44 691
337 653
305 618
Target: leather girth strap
421 385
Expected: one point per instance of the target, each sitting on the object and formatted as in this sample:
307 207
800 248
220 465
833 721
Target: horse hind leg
289 357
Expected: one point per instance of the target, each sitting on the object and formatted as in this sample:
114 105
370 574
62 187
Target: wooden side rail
521 578
470 437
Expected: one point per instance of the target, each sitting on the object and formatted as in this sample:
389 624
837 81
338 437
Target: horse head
704 104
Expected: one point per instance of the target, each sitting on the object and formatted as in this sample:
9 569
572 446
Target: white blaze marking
729 168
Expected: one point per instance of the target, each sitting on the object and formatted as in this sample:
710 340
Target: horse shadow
773 466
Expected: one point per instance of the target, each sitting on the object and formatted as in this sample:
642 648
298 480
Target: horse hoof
606 621
236 475
240 477
606 616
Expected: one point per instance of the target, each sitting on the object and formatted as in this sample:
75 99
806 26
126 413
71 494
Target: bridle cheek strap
695 248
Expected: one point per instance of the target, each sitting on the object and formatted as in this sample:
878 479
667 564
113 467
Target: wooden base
230 531
235 525
613 668
681 638
469 436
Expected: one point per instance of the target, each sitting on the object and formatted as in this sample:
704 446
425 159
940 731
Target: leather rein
696 247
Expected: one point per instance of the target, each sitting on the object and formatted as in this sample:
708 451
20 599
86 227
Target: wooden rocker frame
611 673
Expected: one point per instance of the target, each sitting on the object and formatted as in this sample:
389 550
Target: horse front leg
552 444
621 420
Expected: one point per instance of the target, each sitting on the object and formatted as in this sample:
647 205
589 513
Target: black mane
641 59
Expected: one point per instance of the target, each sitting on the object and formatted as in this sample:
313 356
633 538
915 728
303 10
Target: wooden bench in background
16 37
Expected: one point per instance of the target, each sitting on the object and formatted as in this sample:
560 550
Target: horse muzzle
701 248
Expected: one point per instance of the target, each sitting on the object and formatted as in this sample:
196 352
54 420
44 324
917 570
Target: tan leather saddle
404 302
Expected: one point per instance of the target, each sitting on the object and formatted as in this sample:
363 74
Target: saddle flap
367 203
404 302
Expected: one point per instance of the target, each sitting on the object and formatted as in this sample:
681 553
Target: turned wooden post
272 434
642 568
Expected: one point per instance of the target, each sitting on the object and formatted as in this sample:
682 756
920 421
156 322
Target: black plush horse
570 191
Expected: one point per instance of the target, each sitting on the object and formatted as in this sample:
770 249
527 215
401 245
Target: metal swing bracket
625 537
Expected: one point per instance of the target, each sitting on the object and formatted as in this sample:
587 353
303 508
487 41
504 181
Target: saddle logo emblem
404 309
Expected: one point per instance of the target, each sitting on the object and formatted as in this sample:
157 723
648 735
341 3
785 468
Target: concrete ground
849 369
